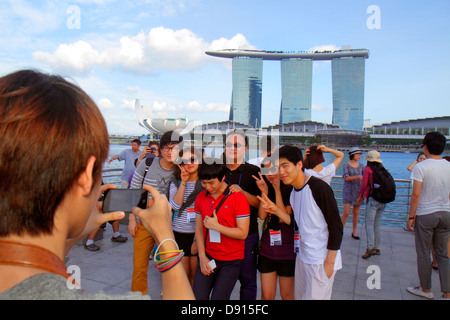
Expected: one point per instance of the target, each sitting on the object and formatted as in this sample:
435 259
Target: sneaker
368 254
92 247
376 252
419 292
119 238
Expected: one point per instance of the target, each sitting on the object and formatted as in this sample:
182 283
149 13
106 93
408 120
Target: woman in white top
313 159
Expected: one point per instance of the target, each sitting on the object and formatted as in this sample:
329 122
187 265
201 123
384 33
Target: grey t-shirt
49 286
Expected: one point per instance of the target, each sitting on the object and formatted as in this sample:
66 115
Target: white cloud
326 47
144 53
105 104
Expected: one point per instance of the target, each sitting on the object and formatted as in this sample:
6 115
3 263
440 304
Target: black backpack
386 191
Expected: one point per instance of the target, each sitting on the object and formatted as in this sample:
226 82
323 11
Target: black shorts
184 241
284 268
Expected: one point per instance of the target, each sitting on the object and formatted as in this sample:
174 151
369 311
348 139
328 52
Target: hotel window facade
348 92
247 91
296 90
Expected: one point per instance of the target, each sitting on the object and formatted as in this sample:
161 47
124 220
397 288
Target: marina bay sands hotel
347 68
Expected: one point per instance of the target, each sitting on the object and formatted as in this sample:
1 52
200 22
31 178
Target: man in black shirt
239 177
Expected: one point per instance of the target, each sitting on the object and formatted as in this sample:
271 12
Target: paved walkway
110 269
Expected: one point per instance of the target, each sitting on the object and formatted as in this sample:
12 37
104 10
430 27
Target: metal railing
395 214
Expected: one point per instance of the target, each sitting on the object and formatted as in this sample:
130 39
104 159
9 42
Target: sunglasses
191 160
234 145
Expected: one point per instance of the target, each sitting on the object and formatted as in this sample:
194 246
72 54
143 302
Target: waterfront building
296 76
247 91
348 92
296 90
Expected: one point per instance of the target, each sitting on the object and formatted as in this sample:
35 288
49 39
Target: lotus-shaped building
159 123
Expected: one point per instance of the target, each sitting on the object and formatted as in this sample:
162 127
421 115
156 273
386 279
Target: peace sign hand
262 185
184 174
268 205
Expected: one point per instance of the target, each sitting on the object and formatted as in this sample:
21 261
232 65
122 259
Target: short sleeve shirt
234 207
242 176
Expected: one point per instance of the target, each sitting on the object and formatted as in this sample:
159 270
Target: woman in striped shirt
183 190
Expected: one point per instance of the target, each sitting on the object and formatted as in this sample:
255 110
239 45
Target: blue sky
153 50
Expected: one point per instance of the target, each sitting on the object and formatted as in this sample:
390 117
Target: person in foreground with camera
50 201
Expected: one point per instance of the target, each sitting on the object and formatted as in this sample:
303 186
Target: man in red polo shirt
220 234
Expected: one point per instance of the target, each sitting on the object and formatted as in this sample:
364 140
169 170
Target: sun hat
354 150
373 156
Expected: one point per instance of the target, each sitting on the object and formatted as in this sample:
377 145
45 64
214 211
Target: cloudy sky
153 50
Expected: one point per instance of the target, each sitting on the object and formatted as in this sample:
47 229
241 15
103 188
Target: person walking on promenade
43 215
319 228
239 176
430 214
183 190
157 175
222 224
352 175
129 156
313 160
374 208
276 259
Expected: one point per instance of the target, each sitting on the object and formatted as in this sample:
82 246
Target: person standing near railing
352 175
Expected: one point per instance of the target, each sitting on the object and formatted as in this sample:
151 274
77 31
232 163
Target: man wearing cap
430 214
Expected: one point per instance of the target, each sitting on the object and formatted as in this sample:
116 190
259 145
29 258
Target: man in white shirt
319 228
430 213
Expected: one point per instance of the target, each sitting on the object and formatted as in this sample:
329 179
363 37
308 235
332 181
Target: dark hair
49 129
435 142
291 153
315 157
150 143
193 150
268 143
170 137
211 169
418 156
137 141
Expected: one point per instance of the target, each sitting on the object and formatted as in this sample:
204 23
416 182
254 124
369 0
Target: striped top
185 223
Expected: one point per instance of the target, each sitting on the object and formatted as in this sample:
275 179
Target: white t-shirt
326 174
435 177
310 205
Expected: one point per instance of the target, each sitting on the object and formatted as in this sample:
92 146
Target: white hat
373 156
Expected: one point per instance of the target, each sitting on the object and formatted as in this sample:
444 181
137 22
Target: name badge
296 241
275 237
190 215
214 236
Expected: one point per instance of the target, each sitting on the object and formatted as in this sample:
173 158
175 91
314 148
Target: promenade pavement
110 269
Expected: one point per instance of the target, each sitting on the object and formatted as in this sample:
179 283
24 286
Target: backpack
386 191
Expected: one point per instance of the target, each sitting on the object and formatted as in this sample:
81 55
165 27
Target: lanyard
240 178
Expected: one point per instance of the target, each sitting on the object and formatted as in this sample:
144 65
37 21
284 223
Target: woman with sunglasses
183 190
276 260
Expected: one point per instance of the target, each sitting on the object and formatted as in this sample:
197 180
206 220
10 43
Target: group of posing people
211 210
216 204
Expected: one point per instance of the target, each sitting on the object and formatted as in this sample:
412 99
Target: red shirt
236 206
